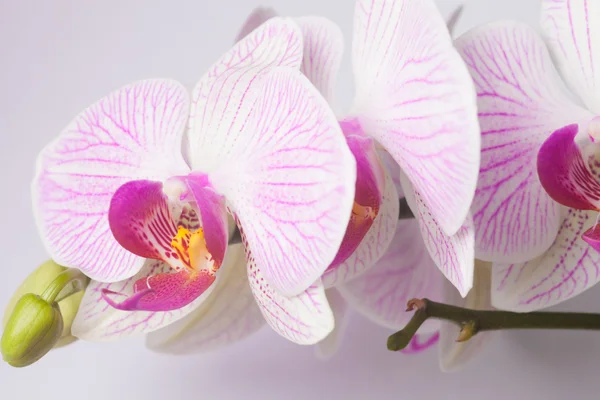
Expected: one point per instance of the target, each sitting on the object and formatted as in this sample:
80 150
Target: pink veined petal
228 315
259 16
565 175
421 342
405 271
302 319
141 221
415 96
225 96
454 254
162 292
213 215
329 346
133 133
373 245
97 321
323 49
569 267
454 355
292 187
571 29
520 105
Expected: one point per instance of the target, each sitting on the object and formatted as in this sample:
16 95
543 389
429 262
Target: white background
59 56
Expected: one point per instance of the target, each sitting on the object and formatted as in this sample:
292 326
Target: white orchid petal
225 96
293 188
329 346
571 29
133 133
454 254
415 96
323 48
569 267
520 104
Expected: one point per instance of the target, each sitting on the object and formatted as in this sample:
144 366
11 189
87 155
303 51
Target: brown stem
474 321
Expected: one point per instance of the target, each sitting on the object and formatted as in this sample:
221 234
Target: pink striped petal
569 267
133 133
228 315
162 292
213 215
520 105
224 98
421 342
329 346
97 321
565 175
406 271
455 355
302 319
323 48
258 17
373 245
296 192
572 31
415 96
454 254
140 219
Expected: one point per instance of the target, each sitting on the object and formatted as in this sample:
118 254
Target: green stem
68 282
474 321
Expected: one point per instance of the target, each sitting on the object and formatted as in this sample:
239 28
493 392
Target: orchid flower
322 49
368 233
538 189
415 98
139 203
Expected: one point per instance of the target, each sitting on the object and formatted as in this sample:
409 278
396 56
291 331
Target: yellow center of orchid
192 251
361 214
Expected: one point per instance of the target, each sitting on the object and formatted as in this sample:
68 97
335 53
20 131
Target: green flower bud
35 283
33 305
32 330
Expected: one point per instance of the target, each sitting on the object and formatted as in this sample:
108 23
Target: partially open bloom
538 153
136 192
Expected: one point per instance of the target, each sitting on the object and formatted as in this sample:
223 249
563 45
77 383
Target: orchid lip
568 174
165 292
141 219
